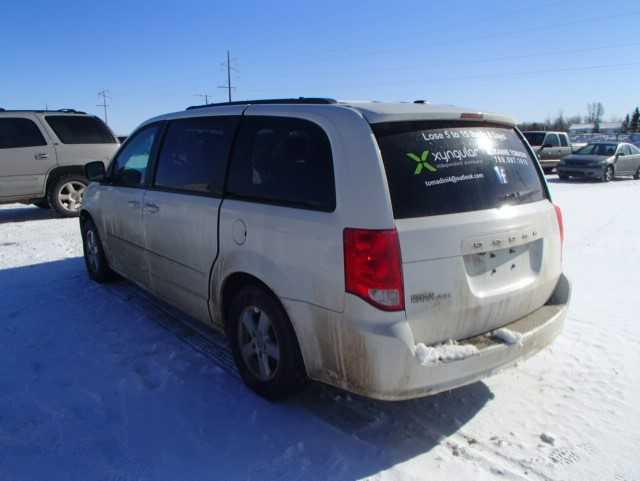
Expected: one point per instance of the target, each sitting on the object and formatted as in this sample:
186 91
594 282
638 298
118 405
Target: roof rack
40 111
299 100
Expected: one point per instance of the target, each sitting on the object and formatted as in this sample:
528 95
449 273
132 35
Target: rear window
535 138
77 129
434 168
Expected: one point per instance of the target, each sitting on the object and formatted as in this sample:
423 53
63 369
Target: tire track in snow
204 340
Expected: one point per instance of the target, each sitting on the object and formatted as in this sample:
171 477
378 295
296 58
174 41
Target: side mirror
95 171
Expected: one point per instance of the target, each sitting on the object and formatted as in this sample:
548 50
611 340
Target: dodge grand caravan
393 250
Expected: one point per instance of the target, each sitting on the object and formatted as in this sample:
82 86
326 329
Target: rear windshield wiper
520 194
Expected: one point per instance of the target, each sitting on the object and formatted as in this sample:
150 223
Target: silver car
603 161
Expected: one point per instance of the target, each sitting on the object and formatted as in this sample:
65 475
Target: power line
458 38
205 97
229 68
105 95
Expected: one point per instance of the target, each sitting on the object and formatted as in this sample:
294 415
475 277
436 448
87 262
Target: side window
552 140
563 140
627 149
19 132
194 154
130 166
283 160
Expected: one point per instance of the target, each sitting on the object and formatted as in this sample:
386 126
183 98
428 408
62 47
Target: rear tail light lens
560 223
373 267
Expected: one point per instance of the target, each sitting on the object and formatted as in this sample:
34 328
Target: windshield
598 149
534 138
438 168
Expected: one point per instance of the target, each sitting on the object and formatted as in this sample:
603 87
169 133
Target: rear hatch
479 237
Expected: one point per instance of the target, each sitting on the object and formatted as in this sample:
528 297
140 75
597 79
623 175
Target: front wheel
66 193
264 344
607 175
94 257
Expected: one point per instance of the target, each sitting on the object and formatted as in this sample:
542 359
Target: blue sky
527 59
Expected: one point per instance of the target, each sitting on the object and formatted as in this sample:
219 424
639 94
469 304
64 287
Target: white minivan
394 250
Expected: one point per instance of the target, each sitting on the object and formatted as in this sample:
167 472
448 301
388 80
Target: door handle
134 204
151 208
41 156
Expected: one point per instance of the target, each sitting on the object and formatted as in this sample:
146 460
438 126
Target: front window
436 168
132 162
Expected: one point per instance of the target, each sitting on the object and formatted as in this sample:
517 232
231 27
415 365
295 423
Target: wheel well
84 216
237 281
58 172
234 283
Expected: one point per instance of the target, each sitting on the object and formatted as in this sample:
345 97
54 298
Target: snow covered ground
103 383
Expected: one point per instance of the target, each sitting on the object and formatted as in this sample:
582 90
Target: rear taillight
373 267
560 223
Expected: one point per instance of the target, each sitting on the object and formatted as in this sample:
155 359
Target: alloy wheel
70 195
258 343
92 252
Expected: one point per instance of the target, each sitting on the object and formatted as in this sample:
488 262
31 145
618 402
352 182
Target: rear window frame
431 124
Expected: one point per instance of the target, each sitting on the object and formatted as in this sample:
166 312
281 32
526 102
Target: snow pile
508 336
447 352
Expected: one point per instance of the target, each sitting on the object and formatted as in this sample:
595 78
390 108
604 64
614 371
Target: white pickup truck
550 147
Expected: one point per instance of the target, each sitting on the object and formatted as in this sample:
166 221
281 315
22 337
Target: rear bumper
384 365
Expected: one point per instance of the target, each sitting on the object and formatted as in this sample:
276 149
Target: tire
636 176
264 344
65 194
94 258
42 204
608 174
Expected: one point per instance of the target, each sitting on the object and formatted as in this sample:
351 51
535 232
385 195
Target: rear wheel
94 257
607 175
66 193
637 174
264 345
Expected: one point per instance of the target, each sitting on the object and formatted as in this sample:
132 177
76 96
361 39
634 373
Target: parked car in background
550 147
43 153
603 161
394 250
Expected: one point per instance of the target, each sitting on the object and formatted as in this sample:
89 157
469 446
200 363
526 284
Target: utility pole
105 95
229 68
205 97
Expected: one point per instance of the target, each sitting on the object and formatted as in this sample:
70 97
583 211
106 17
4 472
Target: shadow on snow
102 382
